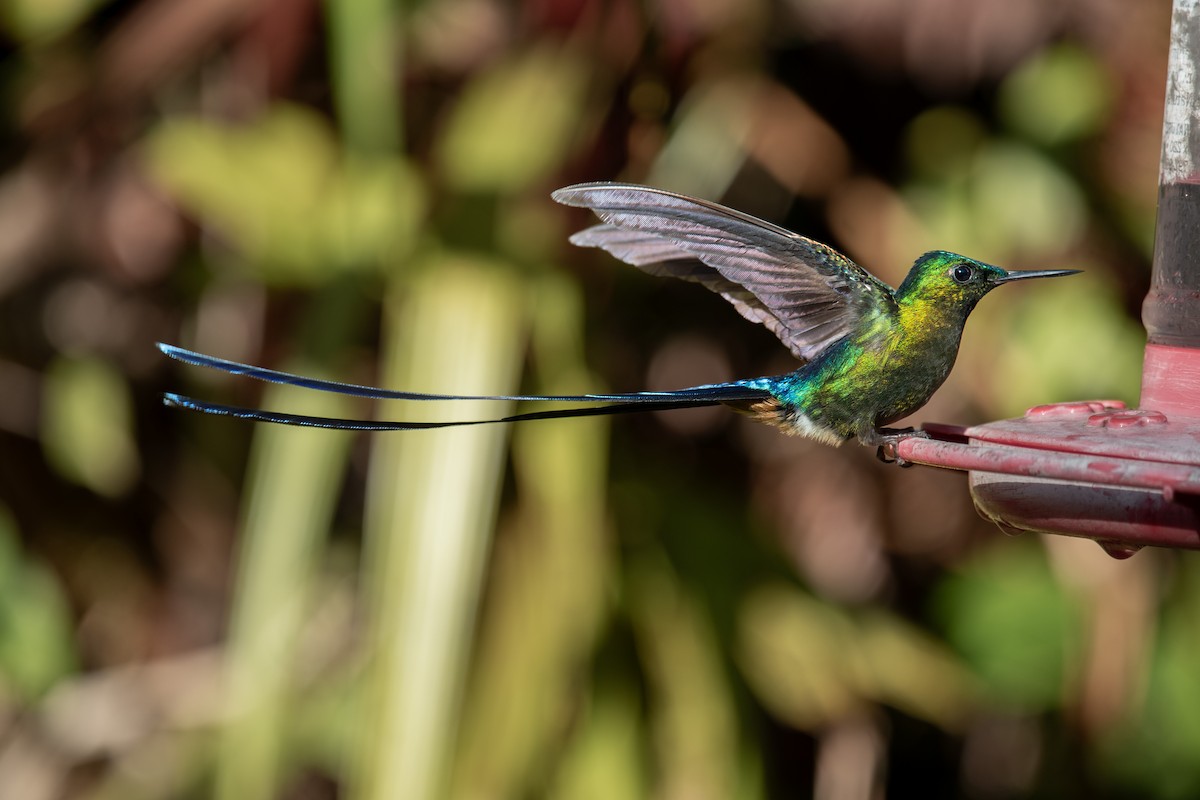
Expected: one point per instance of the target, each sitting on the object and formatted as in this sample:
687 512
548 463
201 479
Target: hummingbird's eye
962 273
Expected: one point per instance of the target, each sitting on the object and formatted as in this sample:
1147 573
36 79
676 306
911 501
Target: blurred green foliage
31 21
1158 751
1059 95
674 606
1039 354
1000 198
36 646
813 664
96 451
514 125
296 207
1015 625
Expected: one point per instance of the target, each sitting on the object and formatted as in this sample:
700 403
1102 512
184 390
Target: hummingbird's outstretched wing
806 293
710 395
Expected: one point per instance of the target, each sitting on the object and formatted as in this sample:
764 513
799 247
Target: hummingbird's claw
888 440
887 454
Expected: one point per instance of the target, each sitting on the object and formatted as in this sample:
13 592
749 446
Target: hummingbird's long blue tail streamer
693 397
341 423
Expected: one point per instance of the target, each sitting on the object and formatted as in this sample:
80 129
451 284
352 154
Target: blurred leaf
707 145
1060 94
1014 623
944 210
373 211
604 760
914 672
812 663
1049 356
514 123
1156 752
328 707
364 62
1011 202
797 654
31 20
942 142
689 693
283 192
36 632
87 425
1023 202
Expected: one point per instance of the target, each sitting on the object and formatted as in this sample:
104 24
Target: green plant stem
431 507
293 480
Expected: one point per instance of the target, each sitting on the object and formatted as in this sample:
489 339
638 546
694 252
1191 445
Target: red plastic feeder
1124 477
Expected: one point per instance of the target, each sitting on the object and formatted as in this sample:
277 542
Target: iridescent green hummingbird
871 354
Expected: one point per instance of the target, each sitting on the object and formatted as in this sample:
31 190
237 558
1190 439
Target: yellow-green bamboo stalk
549 583
364 47
292 483
431 510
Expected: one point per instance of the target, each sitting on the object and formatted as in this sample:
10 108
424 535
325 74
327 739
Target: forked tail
696 396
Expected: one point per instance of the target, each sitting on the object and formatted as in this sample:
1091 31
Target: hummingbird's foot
887 439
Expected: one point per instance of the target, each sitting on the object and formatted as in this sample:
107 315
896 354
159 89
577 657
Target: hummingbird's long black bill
1020 275
693 397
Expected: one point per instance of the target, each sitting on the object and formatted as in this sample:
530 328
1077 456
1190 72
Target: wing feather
806 293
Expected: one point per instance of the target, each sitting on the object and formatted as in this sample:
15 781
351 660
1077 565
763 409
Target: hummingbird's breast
867 380
921 357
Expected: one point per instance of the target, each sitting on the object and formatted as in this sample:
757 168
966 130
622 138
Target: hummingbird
869 354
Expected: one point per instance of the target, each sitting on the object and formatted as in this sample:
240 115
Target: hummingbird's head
953 281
